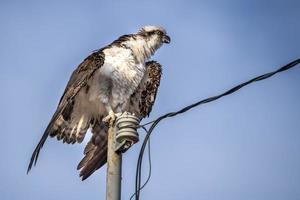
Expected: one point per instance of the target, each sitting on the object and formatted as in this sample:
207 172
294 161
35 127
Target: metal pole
114 166
121 136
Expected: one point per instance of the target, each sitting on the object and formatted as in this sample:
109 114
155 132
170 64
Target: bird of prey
114 79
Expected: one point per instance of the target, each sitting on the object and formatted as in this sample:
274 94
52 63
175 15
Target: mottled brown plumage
143 98
141 103
78 80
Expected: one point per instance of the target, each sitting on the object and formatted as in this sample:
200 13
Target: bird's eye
158 32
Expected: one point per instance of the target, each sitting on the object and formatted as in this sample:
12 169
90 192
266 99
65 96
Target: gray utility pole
121 136
114 168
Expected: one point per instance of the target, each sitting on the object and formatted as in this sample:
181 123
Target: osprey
114 79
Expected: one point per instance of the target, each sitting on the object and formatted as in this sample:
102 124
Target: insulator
126 135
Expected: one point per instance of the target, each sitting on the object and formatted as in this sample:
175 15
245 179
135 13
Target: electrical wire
150 168
155 122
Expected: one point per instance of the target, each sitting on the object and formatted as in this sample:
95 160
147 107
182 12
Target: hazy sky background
245 146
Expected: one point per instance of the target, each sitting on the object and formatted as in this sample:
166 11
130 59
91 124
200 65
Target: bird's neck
142 49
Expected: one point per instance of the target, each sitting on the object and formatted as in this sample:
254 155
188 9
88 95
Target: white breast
124 74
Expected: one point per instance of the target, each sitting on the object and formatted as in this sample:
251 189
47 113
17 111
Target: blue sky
245 146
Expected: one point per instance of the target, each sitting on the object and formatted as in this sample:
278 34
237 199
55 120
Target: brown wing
141 102
59 121
143 98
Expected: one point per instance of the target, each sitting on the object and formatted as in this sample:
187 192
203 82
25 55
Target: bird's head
145 42
155 34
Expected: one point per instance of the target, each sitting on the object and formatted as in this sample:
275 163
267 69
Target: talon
118 115
110 118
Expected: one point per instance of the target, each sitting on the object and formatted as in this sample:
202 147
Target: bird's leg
111 117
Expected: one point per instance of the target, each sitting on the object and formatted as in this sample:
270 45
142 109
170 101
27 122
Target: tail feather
95 152
95 163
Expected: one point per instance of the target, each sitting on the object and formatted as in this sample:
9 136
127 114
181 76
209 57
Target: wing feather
78 80
143 98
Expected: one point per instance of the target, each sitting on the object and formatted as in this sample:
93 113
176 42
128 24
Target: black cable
185 109
150 165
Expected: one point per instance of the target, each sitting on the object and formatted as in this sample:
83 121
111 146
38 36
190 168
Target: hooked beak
166 39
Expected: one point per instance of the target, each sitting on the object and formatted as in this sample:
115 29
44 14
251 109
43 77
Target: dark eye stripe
156 32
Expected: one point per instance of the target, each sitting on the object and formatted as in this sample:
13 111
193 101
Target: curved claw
111 118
